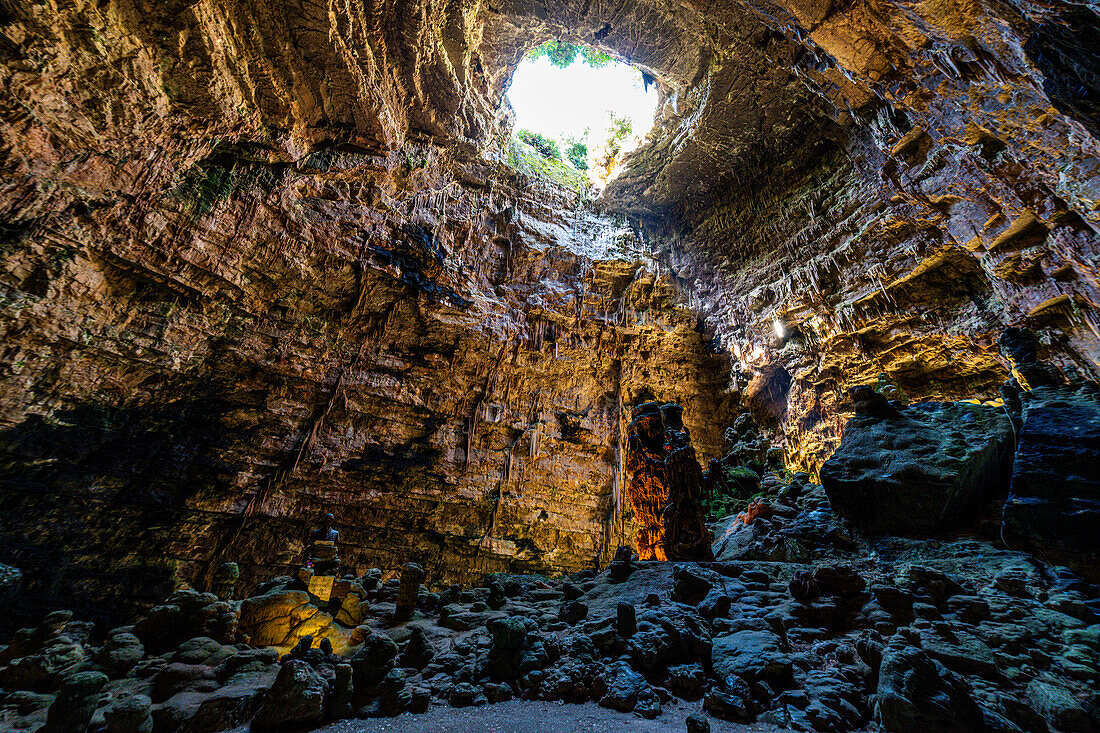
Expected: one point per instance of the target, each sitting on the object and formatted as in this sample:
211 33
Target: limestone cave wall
262 260
947 189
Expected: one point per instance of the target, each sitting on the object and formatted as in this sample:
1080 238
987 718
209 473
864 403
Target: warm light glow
780 331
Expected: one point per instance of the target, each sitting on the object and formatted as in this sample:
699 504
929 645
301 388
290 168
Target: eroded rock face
469 421
262 263
665 486
1054 499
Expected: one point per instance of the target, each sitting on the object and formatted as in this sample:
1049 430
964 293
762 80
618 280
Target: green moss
205 185
525 159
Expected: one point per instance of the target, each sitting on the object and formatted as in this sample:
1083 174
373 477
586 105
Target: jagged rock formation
665 486
1054 498
262 261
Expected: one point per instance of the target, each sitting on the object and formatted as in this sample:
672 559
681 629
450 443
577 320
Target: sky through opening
576 103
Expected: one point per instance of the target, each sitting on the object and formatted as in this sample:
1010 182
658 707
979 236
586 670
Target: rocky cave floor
899 634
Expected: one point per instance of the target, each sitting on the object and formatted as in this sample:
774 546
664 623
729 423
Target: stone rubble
909 635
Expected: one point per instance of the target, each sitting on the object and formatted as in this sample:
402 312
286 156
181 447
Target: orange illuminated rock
664 486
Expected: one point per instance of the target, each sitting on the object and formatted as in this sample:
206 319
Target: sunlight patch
579 111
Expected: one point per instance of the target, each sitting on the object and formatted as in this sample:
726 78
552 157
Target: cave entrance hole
578 112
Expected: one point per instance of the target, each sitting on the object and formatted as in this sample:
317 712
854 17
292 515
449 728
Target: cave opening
578 112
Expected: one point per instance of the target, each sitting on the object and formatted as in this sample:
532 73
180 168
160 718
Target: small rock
698 723
572 612
625 619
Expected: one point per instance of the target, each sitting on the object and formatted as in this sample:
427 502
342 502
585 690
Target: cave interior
324 402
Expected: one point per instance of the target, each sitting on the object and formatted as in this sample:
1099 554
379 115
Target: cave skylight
580 108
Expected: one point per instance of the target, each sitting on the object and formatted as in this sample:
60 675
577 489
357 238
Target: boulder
697 723
572 612
269 619
515 649
297 698
373 661
921 470
918 695
1054 496
75 705
1059 707
627 690
53 660
418 649
120 653
750 655
129 714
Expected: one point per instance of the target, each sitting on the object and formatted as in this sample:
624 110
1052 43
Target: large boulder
372 662
516 648
120 653
72 711
281 617
628 691
920 468
750 655
1054 497
918 695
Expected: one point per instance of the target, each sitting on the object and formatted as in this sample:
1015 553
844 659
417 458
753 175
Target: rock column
412 575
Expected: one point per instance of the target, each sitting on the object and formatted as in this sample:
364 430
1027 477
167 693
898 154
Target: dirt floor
521 716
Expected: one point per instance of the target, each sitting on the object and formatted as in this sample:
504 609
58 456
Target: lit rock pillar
412 575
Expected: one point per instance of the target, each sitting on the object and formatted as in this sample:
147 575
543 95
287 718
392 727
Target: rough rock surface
664 486
261 260
1054 499
920 469
907 634
264 262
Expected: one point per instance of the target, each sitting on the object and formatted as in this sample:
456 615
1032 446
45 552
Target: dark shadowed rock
1054 499
750 655
572 612
72 711
920 471
917 695
691 584
373 661
296 698
627 690
129 714
697 723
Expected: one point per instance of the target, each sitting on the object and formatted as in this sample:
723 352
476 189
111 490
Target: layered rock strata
261 262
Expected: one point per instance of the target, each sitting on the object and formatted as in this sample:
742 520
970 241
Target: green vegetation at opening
562 54
546 147
526 159
577 154
593 152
